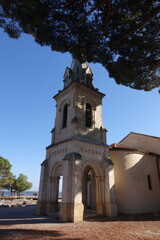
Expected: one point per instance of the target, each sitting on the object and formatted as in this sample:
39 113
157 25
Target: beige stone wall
132 191
92 156
76 96
143 142
89 151
57 153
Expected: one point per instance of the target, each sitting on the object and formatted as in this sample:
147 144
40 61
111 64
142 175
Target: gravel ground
22 223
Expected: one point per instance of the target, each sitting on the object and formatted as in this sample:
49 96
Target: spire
79 72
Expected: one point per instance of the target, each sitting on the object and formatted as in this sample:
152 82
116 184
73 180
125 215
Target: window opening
60 187
65 113
88 115
149 182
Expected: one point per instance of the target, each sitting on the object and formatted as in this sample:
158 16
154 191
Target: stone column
110 198
52 196
84 191
99 195
71 208
55 189
41 203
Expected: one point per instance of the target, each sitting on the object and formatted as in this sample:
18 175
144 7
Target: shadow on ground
123 217
23 215
23 234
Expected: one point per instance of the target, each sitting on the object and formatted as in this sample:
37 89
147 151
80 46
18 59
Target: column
41 204
71 208
99 194
110 198
52 206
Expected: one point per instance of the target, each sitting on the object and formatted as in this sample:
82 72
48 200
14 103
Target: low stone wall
15 201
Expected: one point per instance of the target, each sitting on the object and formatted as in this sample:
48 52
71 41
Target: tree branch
107 20
139 26
154 46
78 6
86 15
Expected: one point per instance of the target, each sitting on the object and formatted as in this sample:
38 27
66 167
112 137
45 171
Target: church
123 178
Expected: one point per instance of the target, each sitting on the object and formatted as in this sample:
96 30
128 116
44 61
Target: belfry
78 152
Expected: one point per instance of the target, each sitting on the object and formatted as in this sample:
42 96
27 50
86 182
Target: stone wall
13 201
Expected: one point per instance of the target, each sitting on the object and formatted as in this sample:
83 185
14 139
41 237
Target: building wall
131 183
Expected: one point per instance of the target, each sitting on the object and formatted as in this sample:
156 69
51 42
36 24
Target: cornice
76 85
77 139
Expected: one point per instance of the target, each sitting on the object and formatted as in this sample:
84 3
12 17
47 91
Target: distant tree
9 184
122 35
5 173
21 184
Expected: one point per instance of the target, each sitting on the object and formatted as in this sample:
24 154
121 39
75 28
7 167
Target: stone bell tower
78 152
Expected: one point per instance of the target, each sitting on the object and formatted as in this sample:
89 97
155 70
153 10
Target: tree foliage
5 173
21 184
9 181
9 184
122 35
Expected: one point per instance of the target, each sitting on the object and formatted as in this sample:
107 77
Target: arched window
88 115
65 113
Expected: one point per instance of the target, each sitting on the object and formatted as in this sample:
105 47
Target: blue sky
30 75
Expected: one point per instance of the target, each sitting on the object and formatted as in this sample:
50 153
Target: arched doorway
55 189
92 190
89 197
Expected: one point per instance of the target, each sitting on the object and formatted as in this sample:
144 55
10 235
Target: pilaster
71 208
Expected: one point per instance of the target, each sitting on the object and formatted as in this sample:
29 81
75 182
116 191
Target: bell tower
79 107
78 152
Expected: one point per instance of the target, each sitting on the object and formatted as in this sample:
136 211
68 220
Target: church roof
140 134
118 146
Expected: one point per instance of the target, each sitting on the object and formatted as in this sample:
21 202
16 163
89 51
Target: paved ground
22 223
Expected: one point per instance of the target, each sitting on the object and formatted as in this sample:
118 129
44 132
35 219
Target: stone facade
78 152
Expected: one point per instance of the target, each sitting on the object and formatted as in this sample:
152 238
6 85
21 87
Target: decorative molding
93 151
58 152
76 85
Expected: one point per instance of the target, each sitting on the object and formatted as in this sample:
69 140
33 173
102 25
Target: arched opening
55 189
65 115
88 115
58 181
93 189
89 192
60 186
